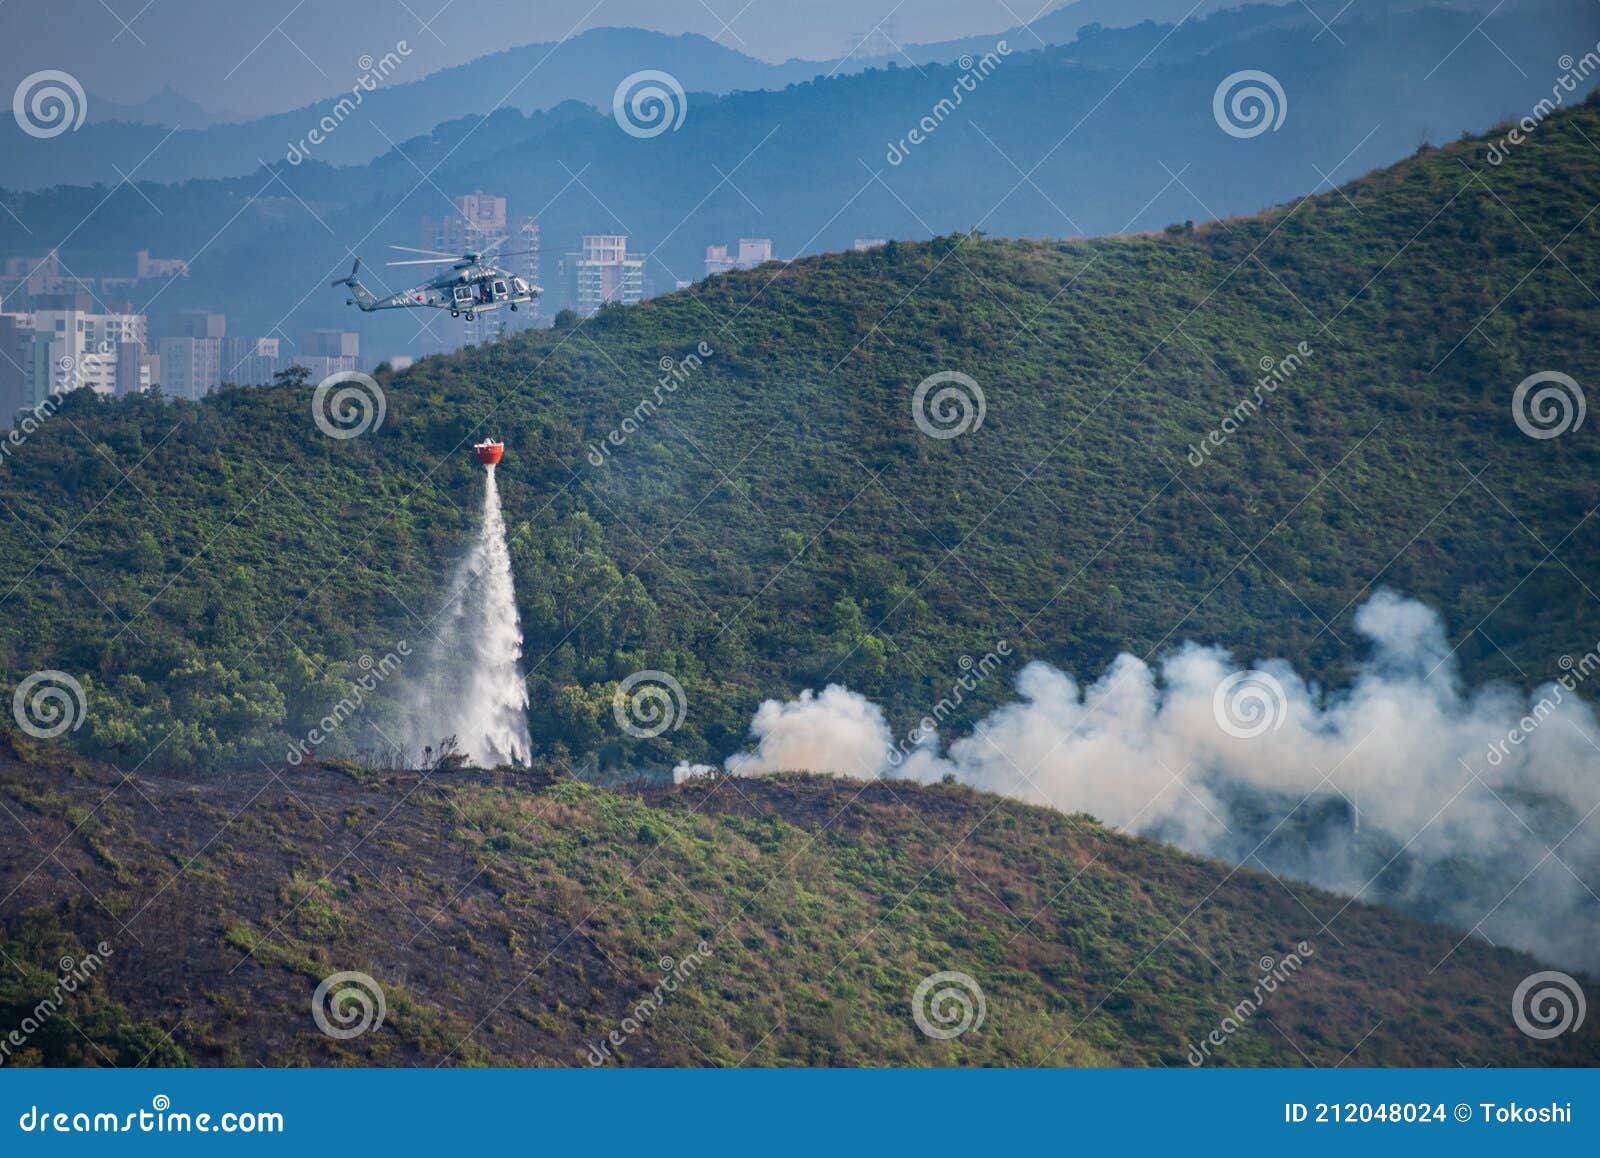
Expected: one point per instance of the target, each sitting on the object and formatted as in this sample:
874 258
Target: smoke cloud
1468 806
473 689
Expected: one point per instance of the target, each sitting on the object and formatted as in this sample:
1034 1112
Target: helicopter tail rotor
355 271
360 295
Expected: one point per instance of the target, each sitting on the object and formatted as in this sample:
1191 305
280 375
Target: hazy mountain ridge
1115 151
396 105
176 140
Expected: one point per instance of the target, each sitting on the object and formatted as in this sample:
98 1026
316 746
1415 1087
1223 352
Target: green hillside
213 572
524 922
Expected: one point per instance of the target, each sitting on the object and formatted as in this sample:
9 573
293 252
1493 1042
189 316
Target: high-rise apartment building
603 274
199 324
332 344
251 361
191 354
137 369
16 330
190 367
67 342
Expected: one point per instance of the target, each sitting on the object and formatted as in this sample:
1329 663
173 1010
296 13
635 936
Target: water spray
474 690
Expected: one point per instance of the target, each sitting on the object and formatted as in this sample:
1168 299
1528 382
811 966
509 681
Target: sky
260 56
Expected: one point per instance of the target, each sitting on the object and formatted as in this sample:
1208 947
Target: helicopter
473 285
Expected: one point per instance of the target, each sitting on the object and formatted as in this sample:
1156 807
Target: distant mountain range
166 108
1114 133
1063 23
532 77
170 138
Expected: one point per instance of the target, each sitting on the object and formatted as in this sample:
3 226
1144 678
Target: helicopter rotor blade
430 252
426 261
516 253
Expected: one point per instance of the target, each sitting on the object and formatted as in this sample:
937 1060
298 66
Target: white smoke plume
473 688
1472 807
837 731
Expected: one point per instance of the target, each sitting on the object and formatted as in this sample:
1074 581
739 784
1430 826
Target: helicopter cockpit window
519 285
500 289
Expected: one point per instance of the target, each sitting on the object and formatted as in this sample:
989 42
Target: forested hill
213 573
791 921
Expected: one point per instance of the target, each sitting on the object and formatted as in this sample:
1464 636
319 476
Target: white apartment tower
604 274
70 341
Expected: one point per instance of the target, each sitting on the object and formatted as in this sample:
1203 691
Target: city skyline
62 329
68 341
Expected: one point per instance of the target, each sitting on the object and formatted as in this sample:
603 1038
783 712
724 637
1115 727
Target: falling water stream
474 689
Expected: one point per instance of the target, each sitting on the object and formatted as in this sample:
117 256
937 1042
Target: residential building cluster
25 278
604 272
66 341
60 331
752 251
